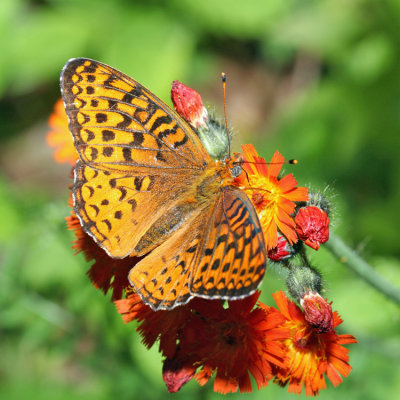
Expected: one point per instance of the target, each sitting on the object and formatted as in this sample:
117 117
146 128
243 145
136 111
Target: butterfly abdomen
165 226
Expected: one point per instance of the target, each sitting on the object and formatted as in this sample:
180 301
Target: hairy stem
352 260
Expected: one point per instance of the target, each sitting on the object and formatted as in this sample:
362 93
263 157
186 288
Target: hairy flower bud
175 375
320 200
282 251
188 104
312 226
317 312
303 279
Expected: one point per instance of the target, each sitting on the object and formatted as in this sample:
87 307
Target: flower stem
349 257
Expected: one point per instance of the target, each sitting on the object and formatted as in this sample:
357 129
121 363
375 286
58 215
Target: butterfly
144 185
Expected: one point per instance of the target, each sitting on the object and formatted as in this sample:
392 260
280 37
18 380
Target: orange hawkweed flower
273 197
164 325
60 137
106 273
234 343
310 355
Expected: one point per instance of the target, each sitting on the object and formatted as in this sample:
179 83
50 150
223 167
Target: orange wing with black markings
232 260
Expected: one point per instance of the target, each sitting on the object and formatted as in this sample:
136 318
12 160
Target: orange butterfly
145 186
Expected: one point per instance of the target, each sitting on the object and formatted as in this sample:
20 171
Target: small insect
145 186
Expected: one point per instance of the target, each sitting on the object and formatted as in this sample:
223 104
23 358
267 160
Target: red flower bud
318 312
188 104
312 226
282 251
176 375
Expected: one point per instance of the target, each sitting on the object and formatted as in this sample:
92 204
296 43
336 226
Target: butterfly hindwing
162 277
232 260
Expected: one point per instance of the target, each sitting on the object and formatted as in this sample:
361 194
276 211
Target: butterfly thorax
216 176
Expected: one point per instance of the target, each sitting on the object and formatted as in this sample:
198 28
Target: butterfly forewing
118 124
117 209
137 155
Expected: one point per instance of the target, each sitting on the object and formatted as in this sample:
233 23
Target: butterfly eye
237 158
236 171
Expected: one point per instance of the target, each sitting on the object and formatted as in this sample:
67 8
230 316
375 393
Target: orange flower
106 272
310 355
272 197
234 342
164 325
60 137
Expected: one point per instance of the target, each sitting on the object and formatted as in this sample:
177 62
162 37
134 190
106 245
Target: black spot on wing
95 208
89 69
108 151
165 119
101 117
112 182
135 92
226 267
138 182
91 190
90 134
107 135
109 81
133 204
108 223
181 143
204 268
125 123
126 152
191 249
123 193
138 139
118 214
216 264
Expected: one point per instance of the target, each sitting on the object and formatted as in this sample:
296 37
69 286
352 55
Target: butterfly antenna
223 77
292 161
247 176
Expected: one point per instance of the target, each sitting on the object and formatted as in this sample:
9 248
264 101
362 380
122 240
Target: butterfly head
235 163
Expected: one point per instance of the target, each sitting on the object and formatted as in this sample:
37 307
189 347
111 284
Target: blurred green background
318 80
